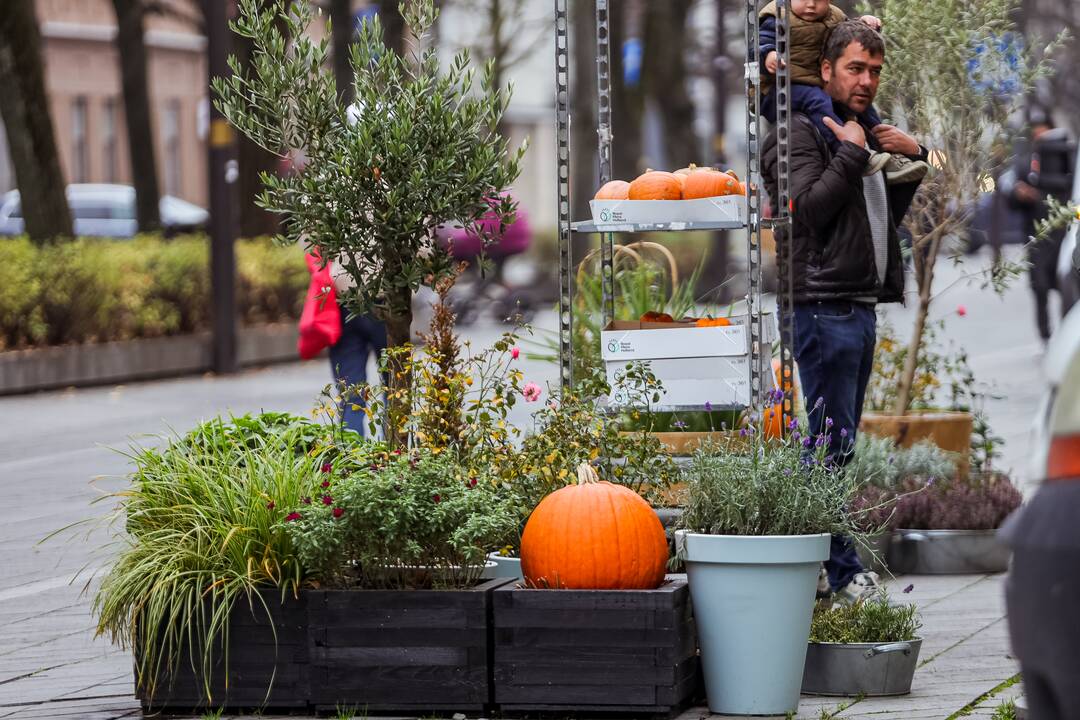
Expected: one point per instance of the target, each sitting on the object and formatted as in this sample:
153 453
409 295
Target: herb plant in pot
756 528
870 648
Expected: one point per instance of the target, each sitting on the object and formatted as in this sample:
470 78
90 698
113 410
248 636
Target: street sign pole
222 172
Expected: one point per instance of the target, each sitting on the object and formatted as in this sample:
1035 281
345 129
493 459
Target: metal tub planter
867 669
947 552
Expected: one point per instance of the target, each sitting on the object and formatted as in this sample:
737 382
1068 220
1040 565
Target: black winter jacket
833 250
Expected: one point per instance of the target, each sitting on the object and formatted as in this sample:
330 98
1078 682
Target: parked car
107 211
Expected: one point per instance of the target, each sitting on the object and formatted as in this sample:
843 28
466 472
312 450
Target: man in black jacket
846 256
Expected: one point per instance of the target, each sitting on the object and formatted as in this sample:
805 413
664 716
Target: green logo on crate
605 215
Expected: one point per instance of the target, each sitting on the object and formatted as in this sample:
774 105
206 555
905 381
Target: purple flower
828 423
708 406
807 441
843 432
793 423
819 402
820 442
787 471
679 424
908 589
795 436
742 432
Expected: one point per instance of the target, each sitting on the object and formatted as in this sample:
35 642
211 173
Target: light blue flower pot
753 598
505 567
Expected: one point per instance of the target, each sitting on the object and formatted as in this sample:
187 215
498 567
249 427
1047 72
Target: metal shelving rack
759 355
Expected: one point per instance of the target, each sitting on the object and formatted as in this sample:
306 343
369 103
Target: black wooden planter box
629 651
264 653
421 650
416 650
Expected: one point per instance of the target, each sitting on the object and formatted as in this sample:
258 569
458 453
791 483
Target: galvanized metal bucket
947 552
870 669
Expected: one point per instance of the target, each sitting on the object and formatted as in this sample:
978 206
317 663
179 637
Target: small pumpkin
614 190
656 185
691 168
709 184
713 322
594 536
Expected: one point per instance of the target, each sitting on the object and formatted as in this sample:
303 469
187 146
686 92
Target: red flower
306 501
326 483
327 467
338 512
961 310
436 497
291 517
327 500
472 482
270 505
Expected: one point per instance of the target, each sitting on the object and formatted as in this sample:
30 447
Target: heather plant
410 519
201 527
872 620
980 502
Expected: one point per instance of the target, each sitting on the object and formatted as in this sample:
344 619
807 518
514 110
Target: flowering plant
409 519
979 502
769 486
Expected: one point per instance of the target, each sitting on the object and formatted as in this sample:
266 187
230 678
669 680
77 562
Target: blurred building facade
82 74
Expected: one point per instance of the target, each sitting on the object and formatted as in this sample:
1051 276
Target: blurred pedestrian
1043 167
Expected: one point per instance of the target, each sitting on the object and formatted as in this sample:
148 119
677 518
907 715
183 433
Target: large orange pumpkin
656 185
705 184
614 190
593 536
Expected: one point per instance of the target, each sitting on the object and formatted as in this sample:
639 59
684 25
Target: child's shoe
901 169
877 162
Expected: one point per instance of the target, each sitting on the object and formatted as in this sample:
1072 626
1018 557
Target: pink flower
515 352
292 517
961 310
326 483
327 467
327 500
531 391
338 512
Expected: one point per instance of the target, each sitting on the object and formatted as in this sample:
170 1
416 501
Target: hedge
97 290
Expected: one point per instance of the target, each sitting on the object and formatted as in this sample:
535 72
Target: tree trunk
393 25
925 275
24 108
252 160
399 368
665 77
342 18
134 66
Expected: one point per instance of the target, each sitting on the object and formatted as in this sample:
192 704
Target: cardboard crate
695 364
725 208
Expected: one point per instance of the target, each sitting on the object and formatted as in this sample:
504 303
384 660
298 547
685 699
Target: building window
108 140
172 147
80 162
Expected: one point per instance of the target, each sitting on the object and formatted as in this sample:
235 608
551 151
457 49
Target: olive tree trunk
24 108
399 367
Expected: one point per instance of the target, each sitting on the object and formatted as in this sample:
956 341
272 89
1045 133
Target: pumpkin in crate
614 190
594 536
709 183
656 185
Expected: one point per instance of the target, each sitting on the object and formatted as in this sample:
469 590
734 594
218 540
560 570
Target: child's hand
872 21
851 131
770 62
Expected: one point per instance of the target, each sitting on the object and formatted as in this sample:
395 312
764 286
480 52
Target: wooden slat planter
419 650
629 651
263 654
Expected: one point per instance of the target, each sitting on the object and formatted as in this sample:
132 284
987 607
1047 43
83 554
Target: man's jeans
834 348
348 361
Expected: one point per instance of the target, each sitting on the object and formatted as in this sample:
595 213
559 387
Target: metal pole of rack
782 227
562 138
753 204
604 136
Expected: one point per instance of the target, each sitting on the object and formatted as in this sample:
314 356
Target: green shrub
100 290
870 621
203 525
878 461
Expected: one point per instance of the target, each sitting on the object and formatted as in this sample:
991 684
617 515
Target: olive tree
956 71
416 150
